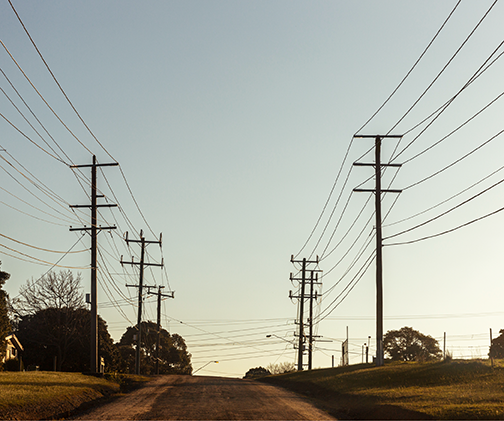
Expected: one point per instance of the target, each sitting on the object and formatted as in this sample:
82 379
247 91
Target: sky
233 124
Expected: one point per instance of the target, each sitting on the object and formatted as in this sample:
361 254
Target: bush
281 368
13 365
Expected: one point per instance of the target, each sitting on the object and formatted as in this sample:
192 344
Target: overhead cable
447 231
411 69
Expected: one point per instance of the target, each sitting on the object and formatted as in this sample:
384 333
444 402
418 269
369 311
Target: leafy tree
407 344
173 355
280 368
497 346
254 373
48 334
5 326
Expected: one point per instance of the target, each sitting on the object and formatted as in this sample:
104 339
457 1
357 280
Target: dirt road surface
206 398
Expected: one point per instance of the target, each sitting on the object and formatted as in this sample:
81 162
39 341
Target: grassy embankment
48 395
441 390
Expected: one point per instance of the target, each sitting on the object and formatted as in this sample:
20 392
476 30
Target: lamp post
209 362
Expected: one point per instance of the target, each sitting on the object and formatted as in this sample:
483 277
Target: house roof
15 341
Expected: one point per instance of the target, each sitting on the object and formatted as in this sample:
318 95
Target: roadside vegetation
462 389
39 395
42 395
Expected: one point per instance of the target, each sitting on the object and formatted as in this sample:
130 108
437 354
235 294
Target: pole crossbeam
368 164
94 228
379 264
99 227
374 191
104 205
95 164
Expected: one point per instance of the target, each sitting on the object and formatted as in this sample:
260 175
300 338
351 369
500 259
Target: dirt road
206 398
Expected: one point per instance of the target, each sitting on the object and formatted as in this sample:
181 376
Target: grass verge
441 390
38 395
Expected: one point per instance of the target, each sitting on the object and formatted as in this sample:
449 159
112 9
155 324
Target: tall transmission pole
143 243
379 263
301 297
158 325
94 228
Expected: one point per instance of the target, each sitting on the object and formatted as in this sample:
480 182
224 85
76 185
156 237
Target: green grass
451 390
43 395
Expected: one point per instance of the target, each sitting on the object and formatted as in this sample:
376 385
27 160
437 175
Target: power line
350 286
57 83
40 260
326 203
455 130
447 231
446 200
445 66
44 100
28 138
42 249
54 153
75 110
443 108
446 212
54 265
456 161
411 69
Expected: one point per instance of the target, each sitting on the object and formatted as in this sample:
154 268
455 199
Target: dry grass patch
455 390
43 395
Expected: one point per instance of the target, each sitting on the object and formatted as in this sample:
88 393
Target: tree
497 346
54 290
173 355
254 373
281 368
54 325
50 318
5 326
49 339
407 344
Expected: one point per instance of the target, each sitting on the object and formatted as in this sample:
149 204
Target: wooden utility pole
311 337
159 295
379 265
301 298
94 228
491 353
142 264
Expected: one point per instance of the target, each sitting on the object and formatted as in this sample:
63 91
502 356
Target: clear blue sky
230 121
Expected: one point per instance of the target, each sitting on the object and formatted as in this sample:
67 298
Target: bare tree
55 290
51 313
280 368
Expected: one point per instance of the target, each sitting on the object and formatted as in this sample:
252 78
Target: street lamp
209 362
276 336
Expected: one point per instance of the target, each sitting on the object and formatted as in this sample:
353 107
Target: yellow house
14 348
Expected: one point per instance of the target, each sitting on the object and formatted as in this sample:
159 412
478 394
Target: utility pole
311 337
491 353
142 264
301 298
159 295
94 228
379 265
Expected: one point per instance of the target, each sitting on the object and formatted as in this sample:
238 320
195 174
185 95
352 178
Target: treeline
51 321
